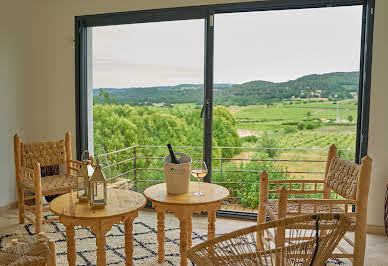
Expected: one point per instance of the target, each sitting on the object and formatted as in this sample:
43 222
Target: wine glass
198 170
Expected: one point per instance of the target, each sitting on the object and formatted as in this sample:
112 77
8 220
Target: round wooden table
183 206
122 205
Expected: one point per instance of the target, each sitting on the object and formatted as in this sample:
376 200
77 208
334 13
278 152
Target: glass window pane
148 90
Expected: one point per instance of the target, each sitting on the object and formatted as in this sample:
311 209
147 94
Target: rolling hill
337 85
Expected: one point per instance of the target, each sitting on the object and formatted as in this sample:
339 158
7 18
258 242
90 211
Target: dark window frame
205 12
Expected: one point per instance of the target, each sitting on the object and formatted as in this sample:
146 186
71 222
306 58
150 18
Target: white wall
378 125
53 110
16 84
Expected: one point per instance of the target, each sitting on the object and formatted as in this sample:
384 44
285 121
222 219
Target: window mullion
208 93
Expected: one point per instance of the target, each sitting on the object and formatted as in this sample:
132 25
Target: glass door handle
204 108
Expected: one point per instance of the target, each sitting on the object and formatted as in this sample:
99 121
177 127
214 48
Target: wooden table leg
161 236
128 227
183 224
211 228
189 232
71 252
101 252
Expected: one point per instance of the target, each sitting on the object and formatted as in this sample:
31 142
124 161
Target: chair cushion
30 250
54 184
272 210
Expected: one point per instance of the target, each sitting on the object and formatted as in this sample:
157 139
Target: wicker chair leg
21 203
359 248
20 191
280 231
52 261
38 213
362 196
38 199
263 197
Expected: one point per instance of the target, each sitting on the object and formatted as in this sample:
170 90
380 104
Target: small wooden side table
183 206
122 205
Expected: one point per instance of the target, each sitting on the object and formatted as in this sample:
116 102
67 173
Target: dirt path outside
234 109
247 132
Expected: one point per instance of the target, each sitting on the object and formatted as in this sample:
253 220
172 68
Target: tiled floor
376 246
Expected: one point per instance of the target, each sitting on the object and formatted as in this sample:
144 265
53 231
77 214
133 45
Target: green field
302 125
283 125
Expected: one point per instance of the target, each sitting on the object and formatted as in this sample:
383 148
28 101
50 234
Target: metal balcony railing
235 168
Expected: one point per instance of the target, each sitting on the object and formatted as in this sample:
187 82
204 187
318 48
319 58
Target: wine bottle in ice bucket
172 154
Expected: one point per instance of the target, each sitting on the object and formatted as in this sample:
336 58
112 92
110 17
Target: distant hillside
182 93
339 85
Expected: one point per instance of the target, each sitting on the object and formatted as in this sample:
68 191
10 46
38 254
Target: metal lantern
83 175
97 189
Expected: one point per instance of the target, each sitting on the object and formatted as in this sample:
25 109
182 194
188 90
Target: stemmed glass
198 170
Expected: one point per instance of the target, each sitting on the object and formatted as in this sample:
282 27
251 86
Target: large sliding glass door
279 69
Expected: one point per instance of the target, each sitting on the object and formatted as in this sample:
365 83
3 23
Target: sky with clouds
272 45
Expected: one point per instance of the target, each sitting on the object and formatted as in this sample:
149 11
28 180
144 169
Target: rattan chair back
342 177
46 153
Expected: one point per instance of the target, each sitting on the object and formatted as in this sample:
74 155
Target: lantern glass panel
99 193
82 193
82 180
97 185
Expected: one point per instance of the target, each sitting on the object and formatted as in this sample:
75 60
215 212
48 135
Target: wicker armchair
251 246
348 180
33 159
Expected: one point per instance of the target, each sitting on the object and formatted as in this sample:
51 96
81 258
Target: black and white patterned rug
144 238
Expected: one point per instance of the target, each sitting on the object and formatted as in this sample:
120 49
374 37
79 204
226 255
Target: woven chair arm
295 181
75 165
323 201
75 162
297 186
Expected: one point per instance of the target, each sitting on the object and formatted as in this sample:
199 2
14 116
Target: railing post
221 168
134 167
